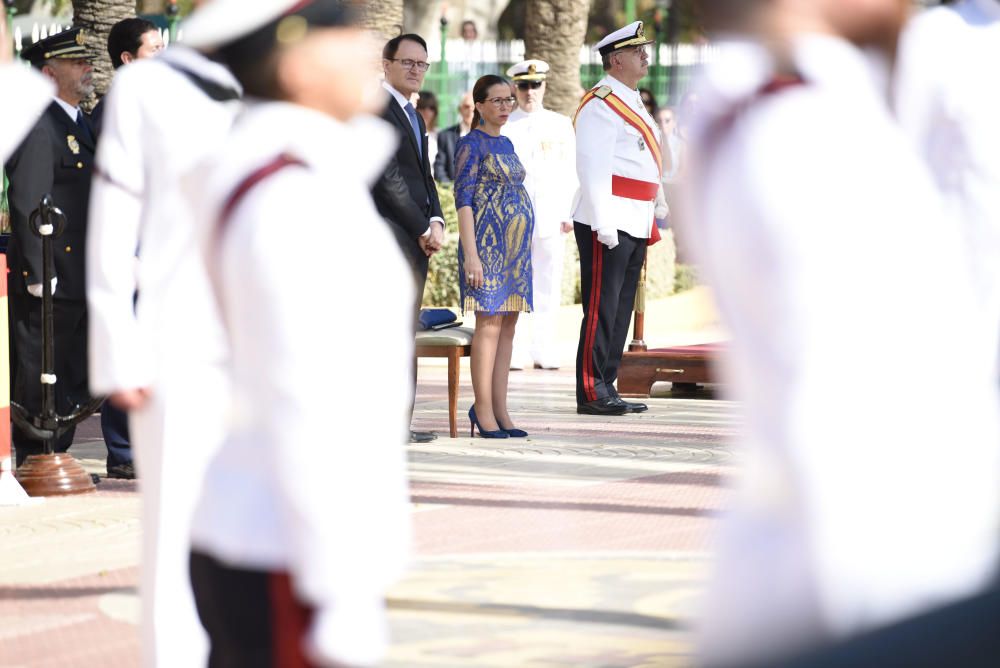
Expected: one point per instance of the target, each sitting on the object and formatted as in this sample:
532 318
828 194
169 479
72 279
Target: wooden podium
684 366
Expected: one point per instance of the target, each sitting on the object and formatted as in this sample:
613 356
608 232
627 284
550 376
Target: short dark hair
427 100
391 47
126 37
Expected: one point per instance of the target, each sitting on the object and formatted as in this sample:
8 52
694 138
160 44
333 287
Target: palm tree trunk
554 31
96 18
384 17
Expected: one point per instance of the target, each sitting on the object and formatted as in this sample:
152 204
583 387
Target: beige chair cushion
453 336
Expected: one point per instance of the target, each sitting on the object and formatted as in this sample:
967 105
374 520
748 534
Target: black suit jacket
56 158
444 163
405 194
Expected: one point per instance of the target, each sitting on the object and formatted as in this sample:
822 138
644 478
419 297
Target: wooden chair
453 343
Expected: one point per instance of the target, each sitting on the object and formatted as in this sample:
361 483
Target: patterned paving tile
584 545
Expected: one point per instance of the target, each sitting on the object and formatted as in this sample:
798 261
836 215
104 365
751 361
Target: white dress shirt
864 496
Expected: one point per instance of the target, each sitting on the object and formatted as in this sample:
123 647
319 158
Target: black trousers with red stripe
252 618
608 281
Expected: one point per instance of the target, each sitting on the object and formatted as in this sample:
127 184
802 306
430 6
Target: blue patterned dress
489 178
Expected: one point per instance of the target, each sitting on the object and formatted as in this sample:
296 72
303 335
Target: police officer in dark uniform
56 158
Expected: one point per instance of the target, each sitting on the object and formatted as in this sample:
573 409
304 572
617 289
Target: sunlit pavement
584 545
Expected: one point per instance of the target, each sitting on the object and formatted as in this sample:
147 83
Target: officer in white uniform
164 358
303 521
546 145
864 497
618 163
949 104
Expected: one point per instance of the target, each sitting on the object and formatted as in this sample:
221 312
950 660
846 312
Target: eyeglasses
501 102
410 64
525 85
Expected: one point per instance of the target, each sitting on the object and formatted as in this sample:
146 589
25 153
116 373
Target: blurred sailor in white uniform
303 521
864 497
948 102
546 145
19 113
163 356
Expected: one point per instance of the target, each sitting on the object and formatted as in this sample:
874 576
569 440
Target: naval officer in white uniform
618 163
546 145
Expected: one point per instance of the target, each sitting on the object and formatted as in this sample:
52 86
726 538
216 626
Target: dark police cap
68 44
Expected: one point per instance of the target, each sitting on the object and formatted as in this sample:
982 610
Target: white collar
70 110
400 98
198 63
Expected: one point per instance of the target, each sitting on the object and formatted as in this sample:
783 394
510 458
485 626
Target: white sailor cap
528 70
221 22
630 35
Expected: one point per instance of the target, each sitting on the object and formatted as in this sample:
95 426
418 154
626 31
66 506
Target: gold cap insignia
639 32
532 69
74 145
80 39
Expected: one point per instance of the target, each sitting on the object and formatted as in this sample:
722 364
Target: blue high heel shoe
513 432
474 425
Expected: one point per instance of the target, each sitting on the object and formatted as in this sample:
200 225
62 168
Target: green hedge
663 275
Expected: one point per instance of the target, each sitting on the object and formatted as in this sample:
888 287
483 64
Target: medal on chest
73 144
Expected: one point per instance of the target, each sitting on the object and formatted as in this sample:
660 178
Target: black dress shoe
634 406
422 436
631 406
605 406
122 471
94 478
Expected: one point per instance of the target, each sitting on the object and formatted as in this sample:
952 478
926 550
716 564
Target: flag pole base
57 474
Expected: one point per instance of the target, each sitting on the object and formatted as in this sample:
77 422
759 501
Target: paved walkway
583 545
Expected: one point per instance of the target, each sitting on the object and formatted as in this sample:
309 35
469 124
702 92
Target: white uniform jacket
546 145
311 477
157 126
607 146
864 496
20 111
948 105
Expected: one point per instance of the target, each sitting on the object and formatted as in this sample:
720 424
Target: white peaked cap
219 22
529 70
630 35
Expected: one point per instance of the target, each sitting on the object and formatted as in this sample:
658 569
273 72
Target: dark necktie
84 128
415 124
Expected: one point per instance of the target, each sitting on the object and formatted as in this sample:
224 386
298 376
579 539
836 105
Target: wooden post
638 345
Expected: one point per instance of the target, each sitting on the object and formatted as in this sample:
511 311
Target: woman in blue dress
495 222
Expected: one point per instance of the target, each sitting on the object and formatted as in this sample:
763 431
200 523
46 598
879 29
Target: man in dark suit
405 194
57 159
444 163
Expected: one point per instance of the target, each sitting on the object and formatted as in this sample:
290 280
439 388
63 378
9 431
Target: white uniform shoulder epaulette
602 92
